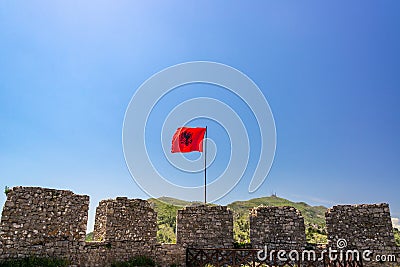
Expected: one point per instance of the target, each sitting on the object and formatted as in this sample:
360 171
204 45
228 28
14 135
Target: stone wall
124 228
170 255
277 227
205 227
99 231
39 221
105 253
364 227
47 222
125 219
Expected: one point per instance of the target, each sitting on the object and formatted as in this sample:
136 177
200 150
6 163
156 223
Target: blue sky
329 71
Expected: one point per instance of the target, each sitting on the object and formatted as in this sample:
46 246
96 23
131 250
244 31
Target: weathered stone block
205 227
277 228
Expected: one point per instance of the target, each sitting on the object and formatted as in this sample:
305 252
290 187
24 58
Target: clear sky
330 73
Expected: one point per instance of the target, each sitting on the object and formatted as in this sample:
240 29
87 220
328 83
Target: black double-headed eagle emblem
185 138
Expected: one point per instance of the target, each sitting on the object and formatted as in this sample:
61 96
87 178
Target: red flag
188 139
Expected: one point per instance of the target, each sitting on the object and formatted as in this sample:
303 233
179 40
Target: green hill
313 215
173 201
167 207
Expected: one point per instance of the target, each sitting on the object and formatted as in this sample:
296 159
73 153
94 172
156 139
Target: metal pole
205 167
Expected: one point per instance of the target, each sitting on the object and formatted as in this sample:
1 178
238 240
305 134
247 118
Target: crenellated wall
48 222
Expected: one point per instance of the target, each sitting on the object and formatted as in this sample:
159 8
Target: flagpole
205 168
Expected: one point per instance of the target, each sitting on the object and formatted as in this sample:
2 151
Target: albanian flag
188 139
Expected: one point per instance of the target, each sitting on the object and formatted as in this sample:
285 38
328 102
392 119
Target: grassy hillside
312 214
172 201
167 208
314 217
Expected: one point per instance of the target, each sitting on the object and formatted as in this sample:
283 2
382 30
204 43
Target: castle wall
125 219
205 227
47 222
277 228
124 228
363 227
99 231
39 221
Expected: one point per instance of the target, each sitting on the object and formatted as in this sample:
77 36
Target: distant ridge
311 214
174 201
